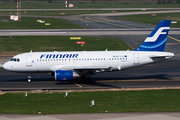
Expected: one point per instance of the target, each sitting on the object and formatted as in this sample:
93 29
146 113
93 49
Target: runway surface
162 74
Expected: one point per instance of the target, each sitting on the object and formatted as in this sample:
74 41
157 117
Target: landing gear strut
29 78
86 79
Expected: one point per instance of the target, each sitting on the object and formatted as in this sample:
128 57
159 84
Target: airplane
65 66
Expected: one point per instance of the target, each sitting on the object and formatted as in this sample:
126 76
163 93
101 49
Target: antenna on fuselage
31 51
106 50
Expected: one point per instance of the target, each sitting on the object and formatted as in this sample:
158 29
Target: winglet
156 41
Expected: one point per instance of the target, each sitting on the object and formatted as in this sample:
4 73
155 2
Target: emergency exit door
29 60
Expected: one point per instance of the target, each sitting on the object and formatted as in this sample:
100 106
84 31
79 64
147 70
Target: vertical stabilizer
156 41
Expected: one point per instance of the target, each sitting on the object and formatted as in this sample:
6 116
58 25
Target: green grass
119 101
15 45
61 5
154 20
31 23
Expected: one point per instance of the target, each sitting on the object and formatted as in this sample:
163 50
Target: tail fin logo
156 41
156 35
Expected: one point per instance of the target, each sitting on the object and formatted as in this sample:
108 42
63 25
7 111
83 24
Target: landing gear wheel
29 80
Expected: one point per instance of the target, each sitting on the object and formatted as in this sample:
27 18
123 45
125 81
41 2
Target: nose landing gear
29 78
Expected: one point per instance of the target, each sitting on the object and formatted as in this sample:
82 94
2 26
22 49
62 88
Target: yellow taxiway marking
174 38
78 85
109 23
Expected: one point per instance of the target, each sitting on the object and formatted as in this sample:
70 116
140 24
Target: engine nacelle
64 75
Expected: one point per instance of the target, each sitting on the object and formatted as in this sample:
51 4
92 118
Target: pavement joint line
109 23
174 38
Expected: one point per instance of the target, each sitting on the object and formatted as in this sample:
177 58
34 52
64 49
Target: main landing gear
29 78
86 79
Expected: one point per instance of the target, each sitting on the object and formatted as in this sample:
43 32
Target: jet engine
64 75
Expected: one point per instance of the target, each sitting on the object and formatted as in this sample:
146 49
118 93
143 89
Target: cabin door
136 58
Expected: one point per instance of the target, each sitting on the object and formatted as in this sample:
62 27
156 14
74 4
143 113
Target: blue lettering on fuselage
58 56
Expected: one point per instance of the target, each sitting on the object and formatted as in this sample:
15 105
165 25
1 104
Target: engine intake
64 75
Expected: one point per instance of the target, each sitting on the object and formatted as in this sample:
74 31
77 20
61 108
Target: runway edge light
66 94
92 103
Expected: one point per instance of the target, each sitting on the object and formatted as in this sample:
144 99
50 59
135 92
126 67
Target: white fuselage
103 60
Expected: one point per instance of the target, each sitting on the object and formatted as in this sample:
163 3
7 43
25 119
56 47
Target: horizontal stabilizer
163 55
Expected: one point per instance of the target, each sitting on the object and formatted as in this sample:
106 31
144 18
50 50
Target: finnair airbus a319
68 65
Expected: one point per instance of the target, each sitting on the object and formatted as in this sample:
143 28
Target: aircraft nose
6 66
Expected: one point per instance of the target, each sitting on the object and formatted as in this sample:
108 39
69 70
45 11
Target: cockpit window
18 59
15 59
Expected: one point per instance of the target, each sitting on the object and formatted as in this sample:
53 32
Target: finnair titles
68 65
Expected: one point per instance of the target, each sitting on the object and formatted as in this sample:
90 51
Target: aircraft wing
90 68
